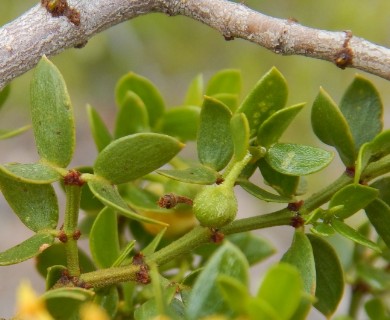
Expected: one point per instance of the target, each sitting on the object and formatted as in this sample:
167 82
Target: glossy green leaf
362 108
104 240
350 233
234 292
133 156
352 198
295 159
4 94
378 212
273 127
376 309
65 303
108 299
27 249
329 276
100 133
300 255
37 173
199 175
109 195
285 185
282 289
56 255
268 96
180 122
52 115
261 193
205 297
225 81
145 90
6 134
240 133
35 204
215 144
194 94
332 128
254 248
132 116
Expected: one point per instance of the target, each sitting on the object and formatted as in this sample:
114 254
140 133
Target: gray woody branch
38 32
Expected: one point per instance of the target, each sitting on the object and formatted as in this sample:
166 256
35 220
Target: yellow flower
91 311
30 306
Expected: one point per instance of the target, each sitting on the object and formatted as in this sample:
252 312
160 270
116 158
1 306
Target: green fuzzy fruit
215 206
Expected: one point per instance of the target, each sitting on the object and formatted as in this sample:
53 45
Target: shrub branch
38 32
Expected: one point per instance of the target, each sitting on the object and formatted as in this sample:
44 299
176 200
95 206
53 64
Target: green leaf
52 115
254 248
100 133
149 310
215 144
37 173
153 245
282 289
225 81
133 156
273 127
228 99
4 93
65 303
235 293
132 116
88 201
109 195
300 255
294 159
347 232
362 108
145 90
240 133
53 274
142 199
180 122
124 255
198 175
285 185
378 212
362 160
6 134
332 128
27 249
322 229
329 276
56 255
261 193
35 204
205 297
194 95
376 309
268 96
103 239
353 198
108 299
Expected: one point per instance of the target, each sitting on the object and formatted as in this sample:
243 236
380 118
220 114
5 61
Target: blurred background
170 51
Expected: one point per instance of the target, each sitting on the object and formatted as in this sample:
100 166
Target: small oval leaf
146 90
109 195
27 249
37 173
268 96
378 212
52 115
272 128
133 156
132 116
296 160
331 127
194 95
198 175
225 81
261 193
103 239
100 133
352 198
215 144
362 108
35 204
240 133
329 276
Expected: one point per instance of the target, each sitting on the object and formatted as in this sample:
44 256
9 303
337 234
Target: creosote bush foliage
163 235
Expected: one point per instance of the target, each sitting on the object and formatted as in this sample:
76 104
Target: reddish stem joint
170 200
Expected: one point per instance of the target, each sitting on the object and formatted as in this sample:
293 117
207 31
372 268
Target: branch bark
35 33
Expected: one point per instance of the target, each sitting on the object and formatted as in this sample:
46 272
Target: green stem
187 243
73 194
